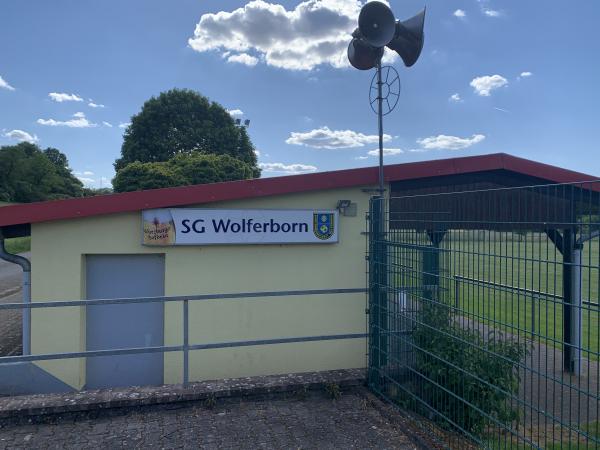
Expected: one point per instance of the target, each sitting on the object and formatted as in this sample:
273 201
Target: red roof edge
262 187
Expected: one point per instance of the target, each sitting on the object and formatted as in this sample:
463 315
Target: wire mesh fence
484 313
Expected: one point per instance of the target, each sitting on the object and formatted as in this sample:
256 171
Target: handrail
186 347
179 298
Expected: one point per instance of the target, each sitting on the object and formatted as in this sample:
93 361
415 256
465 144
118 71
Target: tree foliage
183 169
93 192
181 121
28 174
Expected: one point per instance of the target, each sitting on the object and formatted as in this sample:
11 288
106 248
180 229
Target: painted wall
58 273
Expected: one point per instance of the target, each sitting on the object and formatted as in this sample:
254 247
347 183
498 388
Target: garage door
128 325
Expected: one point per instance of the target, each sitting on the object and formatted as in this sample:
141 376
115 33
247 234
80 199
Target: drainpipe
26 266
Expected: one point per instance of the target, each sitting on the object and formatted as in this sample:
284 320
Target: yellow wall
58 273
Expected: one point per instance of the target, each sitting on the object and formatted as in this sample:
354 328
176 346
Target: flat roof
262 187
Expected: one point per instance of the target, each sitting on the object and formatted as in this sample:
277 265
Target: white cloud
460 14
492 13
91 104
86 180
361 157
315 32
257 153
124 124
484 85
525 75
79 121
87 173
287 168
235 112
107 124
5 85
243 58
64 97
331 139
21 136
386 152
443 142
455 98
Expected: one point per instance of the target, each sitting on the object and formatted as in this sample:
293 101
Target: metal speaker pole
378 28
380 126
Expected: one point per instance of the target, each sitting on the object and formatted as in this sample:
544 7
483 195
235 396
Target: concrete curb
46 404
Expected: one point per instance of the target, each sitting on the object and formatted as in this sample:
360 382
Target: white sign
239 226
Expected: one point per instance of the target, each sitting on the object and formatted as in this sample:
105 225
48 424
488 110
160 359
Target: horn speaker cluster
378 28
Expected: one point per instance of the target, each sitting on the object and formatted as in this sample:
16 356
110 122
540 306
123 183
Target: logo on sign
323 225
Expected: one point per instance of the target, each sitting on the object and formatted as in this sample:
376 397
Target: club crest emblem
323 226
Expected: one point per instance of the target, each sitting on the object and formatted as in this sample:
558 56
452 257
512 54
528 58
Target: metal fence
484 313
186 346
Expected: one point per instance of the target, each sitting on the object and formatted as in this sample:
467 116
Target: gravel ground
357 420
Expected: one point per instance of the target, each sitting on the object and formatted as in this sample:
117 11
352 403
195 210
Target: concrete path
10 320
11 327
355 421
10 276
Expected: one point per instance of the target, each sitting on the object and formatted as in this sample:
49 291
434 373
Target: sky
513 76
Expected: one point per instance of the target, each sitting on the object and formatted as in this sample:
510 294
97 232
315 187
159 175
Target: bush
139 176
489 375
183 169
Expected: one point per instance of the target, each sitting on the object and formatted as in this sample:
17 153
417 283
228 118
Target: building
91 248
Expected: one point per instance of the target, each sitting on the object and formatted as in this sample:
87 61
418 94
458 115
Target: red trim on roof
262 187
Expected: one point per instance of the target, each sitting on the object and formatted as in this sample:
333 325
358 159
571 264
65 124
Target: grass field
532 264
18 245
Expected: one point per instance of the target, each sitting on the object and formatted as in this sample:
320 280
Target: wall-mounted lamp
346 208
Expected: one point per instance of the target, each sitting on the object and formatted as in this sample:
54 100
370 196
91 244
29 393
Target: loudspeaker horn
377 24
409 38
362 56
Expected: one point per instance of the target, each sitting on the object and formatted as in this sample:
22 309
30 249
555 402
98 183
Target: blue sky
523 74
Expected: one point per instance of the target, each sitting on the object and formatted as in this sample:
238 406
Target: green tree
181 121
71 186
183 169
93 192
27 174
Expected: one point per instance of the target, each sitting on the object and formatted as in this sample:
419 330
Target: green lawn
533 264
529 262
18 245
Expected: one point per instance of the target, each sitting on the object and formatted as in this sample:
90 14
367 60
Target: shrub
472 377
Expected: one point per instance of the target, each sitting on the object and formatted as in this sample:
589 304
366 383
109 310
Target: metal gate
484 314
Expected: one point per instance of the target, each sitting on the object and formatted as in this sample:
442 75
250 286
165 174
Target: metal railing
531 294
186 346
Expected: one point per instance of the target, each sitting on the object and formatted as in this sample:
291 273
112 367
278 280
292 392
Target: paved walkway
355 421
11 276
11 327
